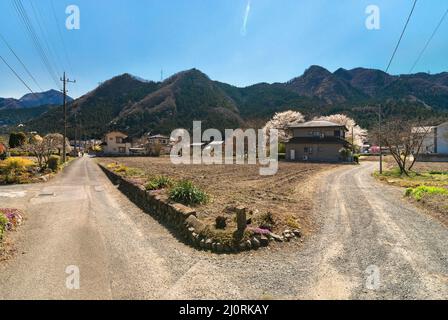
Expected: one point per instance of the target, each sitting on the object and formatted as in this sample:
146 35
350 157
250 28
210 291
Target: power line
21 62
387 69
61 37
17 75
35 39
44 32
401 36
428 42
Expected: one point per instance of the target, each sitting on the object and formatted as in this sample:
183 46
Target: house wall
113 147
442 138
310 132
436 141
429 142
320 152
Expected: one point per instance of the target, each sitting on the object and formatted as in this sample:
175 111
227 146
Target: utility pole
64 91
353 140
379 139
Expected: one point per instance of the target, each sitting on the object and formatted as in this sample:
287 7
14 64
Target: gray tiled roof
317 124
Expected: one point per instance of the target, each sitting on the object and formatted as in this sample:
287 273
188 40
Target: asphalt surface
372 244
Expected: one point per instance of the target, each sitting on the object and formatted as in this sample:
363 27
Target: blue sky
280 40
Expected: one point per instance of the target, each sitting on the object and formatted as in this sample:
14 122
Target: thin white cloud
246 18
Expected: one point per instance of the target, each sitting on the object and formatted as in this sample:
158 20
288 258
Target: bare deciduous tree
43 148
404 140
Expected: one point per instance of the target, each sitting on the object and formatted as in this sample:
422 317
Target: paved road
80 219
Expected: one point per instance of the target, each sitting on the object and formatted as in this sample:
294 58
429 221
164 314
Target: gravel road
81 219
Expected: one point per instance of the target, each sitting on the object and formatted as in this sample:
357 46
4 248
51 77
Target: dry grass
288 195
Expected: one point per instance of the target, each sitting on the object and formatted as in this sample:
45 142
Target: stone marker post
241 220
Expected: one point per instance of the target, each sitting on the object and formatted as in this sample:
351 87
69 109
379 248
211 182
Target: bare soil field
287 197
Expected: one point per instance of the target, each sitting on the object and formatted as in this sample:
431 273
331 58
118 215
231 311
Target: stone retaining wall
182 220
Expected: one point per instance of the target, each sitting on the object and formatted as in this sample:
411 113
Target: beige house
116 143
319 141
158 144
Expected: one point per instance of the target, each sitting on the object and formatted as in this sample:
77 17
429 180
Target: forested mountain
136 106
32 100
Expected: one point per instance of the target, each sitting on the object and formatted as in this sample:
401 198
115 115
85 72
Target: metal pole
64 91
379 139
65 120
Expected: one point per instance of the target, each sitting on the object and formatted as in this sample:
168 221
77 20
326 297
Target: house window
337 133
119 140
122 150
308 150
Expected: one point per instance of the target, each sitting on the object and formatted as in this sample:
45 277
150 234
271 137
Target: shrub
159 182
419 192
3 222
53 163
292 223
344 153
15 165
111 166
17 139
120 168
221 222
15 170
187 193
267 221
356 158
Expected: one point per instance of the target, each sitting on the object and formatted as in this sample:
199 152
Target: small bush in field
267 220
159 182
220 222
111 166
3 223
187 193
121 168
15 170
53 163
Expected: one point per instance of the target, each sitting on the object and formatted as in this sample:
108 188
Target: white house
436 140
116 143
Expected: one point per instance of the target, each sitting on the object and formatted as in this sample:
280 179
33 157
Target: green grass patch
419 192
187 193
159 182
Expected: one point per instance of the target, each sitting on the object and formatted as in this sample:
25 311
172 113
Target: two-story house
116 143
158 144
316 141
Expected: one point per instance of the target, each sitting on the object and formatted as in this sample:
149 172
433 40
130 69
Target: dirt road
80 219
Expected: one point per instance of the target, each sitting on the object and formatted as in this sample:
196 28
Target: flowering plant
14 217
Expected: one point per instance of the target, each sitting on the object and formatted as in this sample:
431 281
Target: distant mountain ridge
135 106
32 100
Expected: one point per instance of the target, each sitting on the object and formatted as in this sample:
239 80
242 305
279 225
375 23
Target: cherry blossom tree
359 133
282 122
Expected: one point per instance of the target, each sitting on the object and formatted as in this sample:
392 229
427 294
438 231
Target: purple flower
259 231
14 217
